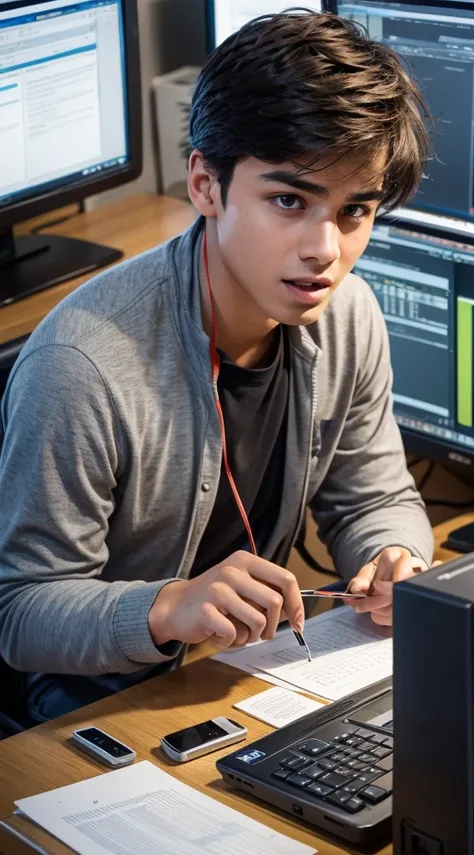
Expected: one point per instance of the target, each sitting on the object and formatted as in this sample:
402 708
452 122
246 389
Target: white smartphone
200 739
103 746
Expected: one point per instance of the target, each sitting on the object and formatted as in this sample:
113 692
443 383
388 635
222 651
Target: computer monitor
423 281
70 127
225 17
436 39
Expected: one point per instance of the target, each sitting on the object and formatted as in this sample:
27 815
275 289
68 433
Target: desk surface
133 225
40 759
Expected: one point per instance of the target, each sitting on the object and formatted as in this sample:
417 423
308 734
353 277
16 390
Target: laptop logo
251 756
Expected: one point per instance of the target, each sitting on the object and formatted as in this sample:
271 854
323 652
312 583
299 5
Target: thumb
361 583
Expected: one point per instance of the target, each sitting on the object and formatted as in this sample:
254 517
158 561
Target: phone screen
111 746
192 737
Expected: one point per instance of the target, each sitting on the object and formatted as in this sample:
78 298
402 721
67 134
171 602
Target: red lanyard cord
215 363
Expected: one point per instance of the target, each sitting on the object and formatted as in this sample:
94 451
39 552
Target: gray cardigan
110 458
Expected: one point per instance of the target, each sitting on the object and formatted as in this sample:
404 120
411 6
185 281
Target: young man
120 537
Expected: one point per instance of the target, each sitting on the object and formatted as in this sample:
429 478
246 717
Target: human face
287 239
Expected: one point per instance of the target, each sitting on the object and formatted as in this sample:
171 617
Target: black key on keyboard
319 789
386 764
344 772
379 738
337 756
382 752
352 741
298 780
367 758
281 774
374 794
362 733
313 747
330 779
351 752
353 805
357 765
295 762
327 764
339 798
367 746
314 772
354 786
369 775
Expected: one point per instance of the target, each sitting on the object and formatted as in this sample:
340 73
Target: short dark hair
303 83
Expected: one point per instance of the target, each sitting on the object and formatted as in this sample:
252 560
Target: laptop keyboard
351 771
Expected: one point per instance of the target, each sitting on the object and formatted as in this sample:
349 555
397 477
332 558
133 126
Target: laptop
332 768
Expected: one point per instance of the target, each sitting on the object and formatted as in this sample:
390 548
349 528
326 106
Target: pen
303 643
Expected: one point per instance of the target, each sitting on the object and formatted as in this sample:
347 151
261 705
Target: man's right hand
234 603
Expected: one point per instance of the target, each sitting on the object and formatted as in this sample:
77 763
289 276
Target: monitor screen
437 41
63 107
423 284
227 16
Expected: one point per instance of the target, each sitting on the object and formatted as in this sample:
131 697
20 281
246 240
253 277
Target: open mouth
306 286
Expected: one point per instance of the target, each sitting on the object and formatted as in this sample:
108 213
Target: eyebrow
292 180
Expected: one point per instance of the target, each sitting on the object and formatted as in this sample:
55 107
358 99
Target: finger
385 612
390 558
242 633
281 579
361 583
228 601
372 604
382 620
404 568
214 624
252 593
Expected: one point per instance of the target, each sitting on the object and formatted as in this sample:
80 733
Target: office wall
172 34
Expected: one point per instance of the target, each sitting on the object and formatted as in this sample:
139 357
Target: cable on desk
305 554
426 477
414 462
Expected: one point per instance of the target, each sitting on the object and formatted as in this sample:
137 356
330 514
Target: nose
320 243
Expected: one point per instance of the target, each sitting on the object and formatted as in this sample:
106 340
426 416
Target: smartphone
200 739
103 747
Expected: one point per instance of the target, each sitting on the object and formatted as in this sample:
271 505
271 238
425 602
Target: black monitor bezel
74 192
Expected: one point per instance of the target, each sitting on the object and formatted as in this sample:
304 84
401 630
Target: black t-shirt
254 402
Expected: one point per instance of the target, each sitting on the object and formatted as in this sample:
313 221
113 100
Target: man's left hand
377 578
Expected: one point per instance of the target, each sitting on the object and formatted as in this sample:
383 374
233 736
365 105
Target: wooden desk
40 759
133 225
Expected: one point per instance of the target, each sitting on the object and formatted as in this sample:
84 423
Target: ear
203 187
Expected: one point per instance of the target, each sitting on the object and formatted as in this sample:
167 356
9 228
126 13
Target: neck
243 333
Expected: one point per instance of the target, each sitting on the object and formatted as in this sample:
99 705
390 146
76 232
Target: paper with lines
141 810
349 653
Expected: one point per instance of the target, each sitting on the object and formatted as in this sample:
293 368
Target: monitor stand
31 263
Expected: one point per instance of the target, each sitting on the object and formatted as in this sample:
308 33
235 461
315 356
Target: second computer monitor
436 39
423 283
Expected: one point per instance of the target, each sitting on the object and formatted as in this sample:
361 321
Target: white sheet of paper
278 706
349 653
141 810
